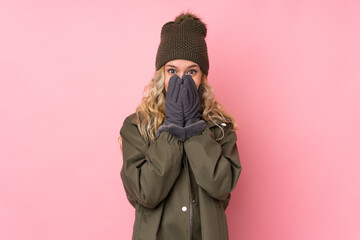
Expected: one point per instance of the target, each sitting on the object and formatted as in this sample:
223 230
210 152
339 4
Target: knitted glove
173 106
191 100
190 97
174 114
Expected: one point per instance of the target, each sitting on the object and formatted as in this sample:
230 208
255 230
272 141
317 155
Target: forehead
181 63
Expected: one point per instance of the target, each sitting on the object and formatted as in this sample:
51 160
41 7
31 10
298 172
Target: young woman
180 158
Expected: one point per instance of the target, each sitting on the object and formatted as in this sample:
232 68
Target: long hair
152 107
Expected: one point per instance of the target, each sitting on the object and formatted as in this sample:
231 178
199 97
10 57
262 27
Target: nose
180 74
183 74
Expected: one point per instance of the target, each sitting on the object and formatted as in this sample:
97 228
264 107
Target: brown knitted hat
183 38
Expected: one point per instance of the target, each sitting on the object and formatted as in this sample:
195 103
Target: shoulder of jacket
132 118
128 122
131 133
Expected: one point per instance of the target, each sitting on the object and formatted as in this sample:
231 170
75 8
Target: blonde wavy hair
152 107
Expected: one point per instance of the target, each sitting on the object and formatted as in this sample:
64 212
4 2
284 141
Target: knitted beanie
183 38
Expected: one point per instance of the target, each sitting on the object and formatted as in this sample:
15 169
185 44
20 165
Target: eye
194 71
169 71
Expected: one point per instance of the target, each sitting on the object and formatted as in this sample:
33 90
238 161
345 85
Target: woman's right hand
173 105
174 113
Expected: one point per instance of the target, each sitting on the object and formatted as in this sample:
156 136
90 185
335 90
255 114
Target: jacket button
194 201
184 208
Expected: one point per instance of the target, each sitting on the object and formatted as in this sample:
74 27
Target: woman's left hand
191 100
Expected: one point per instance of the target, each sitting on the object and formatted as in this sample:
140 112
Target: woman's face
181 67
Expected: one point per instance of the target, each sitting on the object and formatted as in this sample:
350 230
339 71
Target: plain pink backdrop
71 71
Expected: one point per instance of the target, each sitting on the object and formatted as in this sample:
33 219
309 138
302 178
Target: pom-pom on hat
183 38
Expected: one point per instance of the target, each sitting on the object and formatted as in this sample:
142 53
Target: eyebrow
195 65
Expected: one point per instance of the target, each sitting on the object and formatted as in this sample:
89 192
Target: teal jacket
179 190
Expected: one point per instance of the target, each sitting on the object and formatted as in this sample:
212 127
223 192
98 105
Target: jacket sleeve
216 164
149 172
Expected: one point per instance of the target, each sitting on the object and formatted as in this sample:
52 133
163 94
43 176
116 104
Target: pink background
71 71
